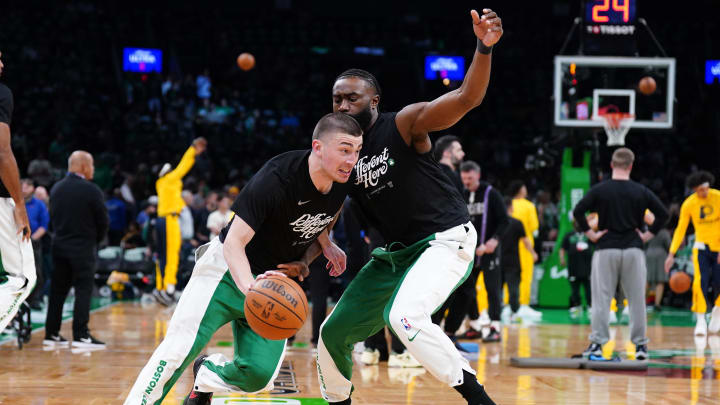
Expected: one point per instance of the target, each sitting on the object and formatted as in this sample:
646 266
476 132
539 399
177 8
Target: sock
472 391
170 288
475 324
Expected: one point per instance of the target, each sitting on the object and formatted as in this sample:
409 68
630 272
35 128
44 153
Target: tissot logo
370 168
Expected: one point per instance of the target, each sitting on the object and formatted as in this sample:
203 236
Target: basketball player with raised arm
284 207
703 208
17 263
431 242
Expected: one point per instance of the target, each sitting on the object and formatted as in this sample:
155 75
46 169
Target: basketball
246 61
680 282
647 85
276 308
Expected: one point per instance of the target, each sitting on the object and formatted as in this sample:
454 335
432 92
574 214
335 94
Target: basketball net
617 126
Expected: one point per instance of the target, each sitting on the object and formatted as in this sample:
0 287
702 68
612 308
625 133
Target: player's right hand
21 221
595 236
669 262
200 145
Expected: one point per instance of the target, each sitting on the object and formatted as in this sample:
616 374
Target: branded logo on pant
153 381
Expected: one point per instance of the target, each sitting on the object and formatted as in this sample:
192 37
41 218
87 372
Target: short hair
469 166
338 122
442 144
698 178
26 180
364 75
623 158
515 187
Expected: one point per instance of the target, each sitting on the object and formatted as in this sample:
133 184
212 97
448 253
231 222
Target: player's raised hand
488 27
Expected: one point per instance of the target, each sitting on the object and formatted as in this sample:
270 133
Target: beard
363 118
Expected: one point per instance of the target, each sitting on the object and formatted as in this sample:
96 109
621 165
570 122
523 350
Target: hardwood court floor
683 372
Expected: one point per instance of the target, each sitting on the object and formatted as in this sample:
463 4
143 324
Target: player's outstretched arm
238 236
416 120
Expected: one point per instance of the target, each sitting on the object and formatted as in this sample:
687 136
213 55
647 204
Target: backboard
586 87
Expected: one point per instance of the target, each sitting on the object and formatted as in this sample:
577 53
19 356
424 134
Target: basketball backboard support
587 86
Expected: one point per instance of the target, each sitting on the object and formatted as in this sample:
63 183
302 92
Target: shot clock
609 27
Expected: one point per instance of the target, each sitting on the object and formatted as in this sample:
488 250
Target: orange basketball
276 307
246 61
647 85
680 282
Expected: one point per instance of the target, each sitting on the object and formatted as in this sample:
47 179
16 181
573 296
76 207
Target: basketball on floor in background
276 307
680 282
246 61
647 85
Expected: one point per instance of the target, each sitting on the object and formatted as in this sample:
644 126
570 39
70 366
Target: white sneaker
484 319
370 357
575 311
701 327
714 342
613 317
404 360
715 320
526 311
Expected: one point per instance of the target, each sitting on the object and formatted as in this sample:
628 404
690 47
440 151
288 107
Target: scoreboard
609 27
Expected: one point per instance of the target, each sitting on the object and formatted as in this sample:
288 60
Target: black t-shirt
405 195
620 205
510 255
6 110
453 176
286 211
497 220
579 252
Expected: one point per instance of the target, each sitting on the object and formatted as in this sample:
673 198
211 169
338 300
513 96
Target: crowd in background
134 123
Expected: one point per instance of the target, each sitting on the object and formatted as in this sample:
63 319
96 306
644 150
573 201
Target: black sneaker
197 397
163 298
594 349
471 334
493 336
55 340
88 341
641 352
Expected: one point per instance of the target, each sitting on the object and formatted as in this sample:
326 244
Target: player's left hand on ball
336 259
267 274
294 269
487 28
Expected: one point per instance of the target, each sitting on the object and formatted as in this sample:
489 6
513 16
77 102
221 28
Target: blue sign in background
712 71
440 67
142 60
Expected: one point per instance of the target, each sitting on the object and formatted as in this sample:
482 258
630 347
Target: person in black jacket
79 221
619 257
487 213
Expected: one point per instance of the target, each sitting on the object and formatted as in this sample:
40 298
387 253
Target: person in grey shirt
655 253
619 258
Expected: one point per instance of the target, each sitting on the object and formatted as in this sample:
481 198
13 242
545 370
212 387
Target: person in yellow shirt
525 212
703 207
170 203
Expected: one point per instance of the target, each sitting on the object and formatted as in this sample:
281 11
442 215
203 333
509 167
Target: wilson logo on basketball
280 290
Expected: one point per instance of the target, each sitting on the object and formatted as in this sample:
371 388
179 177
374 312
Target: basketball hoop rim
614 119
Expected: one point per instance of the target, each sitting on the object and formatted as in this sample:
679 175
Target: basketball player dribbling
423 218
281 211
